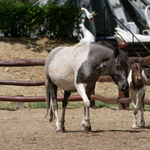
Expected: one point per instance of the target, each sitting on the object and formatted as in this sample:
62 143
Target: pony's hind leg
64 105
53 91
142 111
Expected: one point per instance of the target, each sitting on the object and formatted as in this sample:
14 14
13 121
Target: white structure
121 35
147 17
118 11
87 35
128 37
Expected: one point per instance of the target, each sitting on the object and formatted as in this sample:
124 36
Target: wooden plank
72 98
22 83
23 63
41 83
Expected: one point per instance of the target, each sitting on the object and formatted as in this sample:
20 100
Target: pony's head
117 69
136 67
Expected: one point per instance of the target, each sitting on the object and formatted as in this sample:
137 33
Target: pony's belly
64 79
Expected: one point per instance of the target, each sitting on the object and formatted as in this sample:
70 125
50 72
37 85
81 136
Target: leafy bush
24 19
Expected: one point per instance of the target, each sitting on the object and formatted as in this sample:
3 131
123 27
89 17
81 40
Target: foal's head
136 67
117 69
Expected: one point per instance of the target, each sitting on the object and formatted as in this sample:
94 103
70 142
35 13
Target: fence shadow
8 109
99 131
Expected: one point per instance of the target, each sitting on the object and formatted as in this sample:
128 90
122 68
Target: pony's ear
116 52
142 60
129 63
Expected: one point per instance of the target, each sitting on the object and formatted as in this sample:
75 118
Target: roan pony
77 68
137 80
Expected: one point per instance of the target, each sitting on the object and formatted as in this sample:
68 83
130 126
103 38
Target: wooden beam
23 63
22 83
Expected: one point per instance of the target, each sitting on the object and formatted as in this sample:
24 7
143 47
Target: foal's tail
49 101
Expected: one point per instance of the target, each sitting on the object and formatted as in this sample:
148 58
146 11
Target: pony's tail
49 101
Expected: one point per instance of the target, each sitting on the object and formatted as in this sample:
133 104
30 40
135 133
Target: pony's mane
122 58
103 43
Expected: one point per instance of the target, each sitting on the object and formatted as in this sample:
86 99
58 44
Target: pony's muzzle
123 87
138 80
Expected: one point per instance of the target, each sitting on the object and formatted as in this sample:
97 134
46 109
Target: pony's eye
90 16
133 70
117 77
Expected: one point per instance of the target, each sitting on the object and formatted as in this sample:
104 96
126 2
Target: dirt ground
27 129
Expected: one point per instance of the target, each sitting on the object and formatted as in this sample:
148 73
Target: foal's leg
142 111
135 104
134 119
65 102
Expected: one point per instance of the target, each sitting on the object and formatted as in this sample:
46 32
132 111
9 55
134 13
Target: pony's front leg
86 117
81 90
135 111
86 120
134 119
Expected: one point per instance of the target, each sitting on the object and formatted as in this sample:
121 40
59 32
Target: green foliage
23 19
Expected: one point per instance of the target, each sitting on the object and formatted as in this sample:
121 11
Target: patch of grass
71 105
7 105
147 107
75 104
36 105
99 104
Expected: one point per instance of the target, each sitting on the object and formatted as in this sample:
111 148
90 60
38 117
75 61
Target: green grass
7 105
99 104
147 107
36 105
71 105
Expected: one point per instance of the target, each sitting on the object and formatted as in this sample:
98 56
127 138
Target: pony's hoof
62 130
87 129
142 124
134 127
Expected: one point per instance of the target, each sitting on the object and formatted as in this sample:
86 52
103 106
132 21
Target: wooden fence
122 98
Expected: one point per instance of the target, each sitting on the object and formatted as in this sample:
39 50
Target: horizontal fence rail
23 63
36 62
22 83
41 83
73 98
